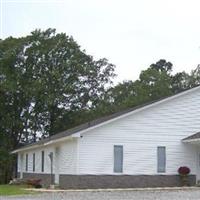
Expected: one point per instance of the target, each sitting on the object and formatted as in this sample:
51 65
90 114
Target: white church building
139 147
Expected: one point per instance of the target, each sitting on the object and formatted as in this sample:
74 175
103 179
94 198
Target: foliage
184 170
45 76
195 77
181 81
154 83
44 79
34 183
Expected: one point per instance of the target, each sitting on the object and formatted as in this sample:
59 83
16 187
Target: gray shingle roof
194 136
86 125
94 122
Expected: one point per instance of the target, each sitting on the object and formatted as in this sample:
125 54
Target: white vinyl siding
164 124
68 157
64 161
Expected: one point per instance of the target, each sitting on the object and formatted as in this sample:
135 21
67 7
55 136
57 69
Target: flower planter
183 173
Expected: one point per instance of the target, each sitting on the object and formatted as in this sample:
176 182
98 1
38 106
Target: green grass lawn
7 190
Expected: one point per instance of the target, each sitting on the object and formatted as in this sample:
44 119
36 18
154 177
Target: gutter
50 142
196 140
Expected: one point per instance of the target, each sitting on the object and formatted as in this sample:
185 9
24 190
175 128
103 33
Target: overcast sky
132 34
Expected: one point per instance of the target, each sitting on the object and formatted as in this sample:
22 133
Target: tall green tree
45 78
156 80
181 81
154 83
195 77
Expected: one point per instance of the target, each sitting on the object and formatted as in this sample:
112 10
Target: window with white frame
118 158
161 159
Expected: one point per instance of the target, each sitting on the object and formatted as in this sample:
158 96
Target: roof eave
191 141
130 112
44 144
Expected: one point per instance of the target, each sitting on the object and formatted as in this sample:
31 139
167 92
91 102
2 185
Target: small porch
194 140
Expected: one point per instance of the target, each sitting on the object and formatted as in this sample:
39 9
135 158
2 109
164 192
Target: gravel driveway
115 195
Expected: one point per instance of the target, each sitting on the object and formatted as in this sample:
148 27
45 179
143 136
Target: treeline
154 83
48 84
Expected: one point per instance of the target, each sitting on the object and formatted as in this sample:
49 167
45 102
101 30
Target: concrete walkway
114 189
191 193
